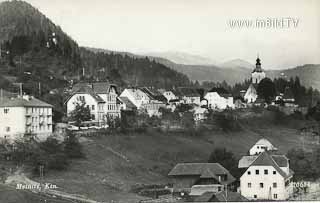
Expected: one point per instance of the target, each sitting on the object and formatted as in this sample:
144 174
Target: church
256 76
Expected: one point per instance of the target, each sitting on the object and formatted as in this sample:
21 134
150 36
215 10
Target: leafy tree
80 113
266 90
226 159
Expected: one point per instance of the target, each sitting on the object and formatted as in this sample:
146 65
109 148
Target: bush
72 147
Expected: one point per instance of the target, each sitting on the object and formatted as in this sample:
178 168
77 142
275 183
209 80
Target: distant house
188 95
144 99
261 146
169 95
200 113
198 178
266 177
219 98
100 98
239 103
24 116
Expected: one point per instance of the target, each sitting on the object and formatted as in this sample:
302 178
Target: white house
100 98
200 113
257 74
219 98
25 116
251 94
188 95
144 100
261 146
267 177
169 95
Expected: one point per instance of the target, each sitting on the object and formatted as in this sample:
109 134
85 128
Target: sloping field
115 164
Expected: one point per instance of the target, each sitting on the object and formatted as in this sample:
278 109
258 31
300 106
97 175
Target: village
97 107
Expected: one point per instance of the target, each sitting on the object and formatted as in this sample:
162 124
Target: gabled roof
266 142
102 87
84 89
21 102
264 159
127 102
203 170
221 91
153 94
229 197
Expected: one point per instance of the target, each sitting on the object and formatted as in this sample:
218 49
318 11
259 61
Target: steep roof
246 161
266 142
23 102
203 170
85 89
264 159
127 102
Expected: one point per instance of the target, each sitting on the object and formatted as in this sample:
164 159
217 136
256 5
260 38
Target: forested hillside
34 50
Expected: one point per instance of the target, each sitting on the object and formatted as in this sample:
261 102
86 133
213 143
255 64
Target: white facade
251 94
257 77
261 146
262 186
142 101
22 119
96 108
200 113
169 95
215 101
111 107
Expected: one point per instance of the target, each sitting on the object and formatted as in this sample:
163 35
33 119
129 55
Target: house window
93 117
257 172
261 185
275 196
255 196
219 188
249 185
266 171
249 172
92 107
274 172
7 129
274 185
6 111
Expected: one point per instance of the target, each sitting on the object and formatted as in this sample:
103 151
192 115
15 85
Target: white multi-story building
219 98
25 116
100 98
267 177
261 146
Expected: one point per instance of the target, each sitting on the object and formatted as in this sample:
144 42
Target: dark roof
85 89
205 197
264 159
22 102
154 94
186 91
127 102
102 87
229 197
281 160
203 170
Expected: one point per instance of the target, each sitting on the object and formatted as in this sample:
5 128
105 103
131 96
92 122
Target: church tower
257 74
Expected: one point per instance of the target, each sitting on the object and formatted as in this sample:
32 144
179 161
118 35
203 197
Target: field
114 165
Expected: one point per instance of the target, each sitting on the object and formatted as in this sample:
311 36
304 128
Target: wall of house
250 96
268 191
191 100
258 148
12 122
169 95
111 108
215 101
137 97
90 101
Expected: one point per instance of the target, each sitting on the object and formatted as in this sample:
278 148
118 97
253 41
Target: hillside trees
266 90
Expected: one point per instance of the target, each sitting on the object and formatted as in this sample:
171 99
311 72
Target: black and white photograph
159 101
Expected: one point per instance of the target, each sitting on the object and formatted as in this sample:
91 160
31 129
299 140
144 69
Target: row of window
266 172
38 110
261 185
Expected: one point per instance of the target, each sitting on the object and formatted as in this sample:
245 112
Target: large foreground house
198 178
267 176
219 98
100 98
24 116
144 100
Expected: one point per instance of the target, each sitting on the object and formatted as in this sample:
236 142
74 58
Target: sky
200 27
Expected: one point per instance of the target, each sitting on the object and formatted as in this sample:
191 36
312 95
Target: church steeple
257 74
